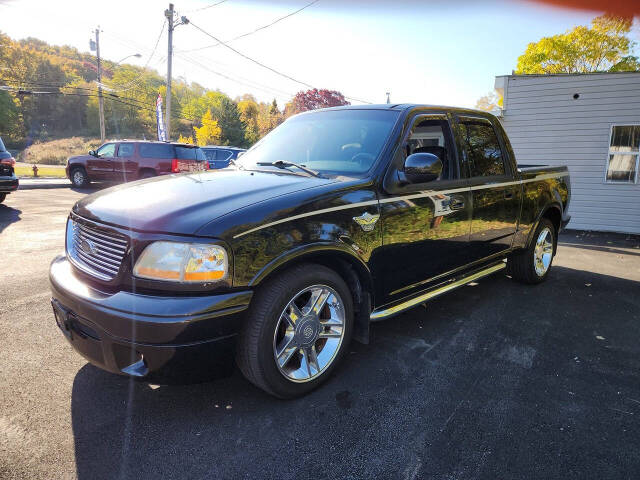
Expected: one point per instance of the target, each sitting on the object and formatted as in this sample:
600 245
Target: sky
430 51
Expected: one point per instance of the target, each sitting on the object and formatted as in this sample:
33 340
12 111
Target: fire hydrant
35 170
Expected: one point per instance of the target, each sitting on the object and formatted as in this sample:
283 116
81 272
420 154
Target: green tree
604 46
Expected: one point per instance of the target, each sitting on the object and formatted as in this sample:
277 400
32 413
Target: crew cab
337 218
127 160
8 180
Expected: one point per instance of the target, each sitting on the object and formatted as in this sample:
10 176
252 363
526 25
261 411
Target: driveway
495 381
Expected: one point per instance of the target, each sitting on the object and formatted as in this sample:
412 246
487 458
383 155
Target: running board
391 311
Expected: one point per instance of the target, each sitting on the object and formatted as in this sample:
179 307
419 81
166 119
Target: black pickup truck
337 218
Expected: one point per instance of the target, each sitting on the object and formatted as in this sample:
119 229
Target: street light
137 55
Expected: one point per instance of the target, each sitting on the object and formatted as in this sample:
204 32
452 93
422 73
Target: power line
208 6
262 64
155 47
112 97
239 80
257 29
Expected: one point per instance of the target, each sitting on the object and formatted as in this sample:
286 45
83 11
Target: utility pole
388 95
100 99
169 14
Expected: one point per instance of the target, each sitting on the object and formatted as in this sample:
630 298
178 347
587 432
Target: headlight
182 262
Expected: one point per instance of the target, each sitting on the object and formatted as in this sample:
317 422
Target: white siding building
591 123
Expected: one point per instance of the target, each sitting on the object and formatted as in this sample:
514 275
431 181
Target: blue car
220 157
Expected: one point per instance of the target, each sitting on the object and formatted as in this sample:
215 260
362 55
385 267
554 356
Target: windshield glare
339 142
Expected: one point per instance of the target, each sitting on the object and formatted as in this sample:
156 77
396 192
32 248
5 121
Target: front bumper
143 335
9 184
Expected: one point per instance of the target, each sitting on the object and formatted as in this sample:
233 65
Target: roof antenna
388 94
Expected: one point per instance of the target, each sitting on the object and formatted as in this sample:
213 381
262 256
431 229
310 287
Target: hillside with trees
50 92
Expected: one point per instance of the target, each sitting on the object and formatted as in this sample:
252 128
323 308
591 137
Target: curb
36 186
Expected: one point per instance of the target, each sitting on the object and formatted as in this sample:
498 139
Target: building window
624 152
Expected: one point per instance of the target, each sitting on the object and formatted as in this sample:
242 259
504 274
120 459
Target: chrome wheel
543 252
309 333
78 178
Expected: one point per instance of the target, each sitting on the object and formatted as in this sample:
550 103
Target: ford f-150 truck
337 218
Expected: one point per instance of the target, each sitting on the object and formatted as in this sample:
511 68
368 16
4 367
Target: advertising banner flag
162 132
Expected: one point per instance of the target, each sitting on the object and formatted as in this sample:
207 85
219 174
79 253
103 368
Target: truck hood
181 204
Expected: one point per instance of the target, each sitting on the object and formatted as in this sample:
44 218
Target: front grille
96 251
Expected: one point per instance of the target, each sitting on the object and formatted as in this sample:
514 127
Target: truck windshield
337 142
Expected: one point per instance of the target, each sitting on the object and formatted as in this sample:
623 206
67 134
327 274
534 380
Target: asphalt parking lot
495 381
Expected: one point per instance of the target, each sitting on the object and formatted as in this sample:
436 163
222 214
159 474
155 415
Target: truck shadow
404 396
8 215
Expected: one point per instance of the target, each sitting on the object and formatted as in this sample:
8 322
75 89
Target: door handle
456 204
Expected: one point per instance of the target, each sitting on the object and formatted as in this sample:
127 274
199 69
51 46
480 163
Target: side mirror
420 168
240 154
92 153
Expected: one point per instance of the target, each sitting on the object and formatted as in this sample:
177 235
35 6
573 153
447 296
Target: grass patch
56 152
42 172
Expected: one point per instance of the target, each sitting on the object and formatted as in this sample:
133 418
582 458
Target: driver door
100 165
425 225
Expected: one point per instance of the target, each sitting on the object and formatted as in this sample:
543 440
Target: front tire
79 177
297 331
532 265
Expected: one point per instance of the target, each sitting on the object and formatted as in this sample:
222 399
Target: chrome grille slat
114 237
117 252
96 263
96 251
100 240
106 262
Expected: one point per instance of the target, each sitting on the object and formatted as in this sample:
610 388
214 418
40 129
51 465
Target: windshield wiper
285 164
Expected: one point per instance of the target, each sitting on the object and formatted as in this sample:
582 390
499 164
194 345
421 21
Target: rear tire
2 197
297 330
79 177
533 264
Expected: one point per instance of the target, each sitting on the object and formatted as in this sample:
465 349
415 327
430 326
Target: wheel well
142 171
356 277
554 216
77 167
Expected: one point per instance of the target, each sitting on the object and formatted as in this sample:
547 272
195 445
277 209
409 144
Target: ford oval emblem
88 247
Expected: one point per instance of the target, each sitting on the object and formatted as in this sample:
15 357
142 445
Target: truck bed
530 171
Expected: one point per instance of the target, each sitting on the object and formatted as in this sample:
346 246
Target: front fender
343 250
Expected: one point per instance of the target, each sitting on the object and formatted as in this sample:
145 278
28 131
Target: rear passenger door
495 195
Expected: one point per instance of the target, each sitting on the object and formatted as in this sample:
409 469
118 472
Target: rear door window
224 155
189 153
156 150
210 153
482 148
125 150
